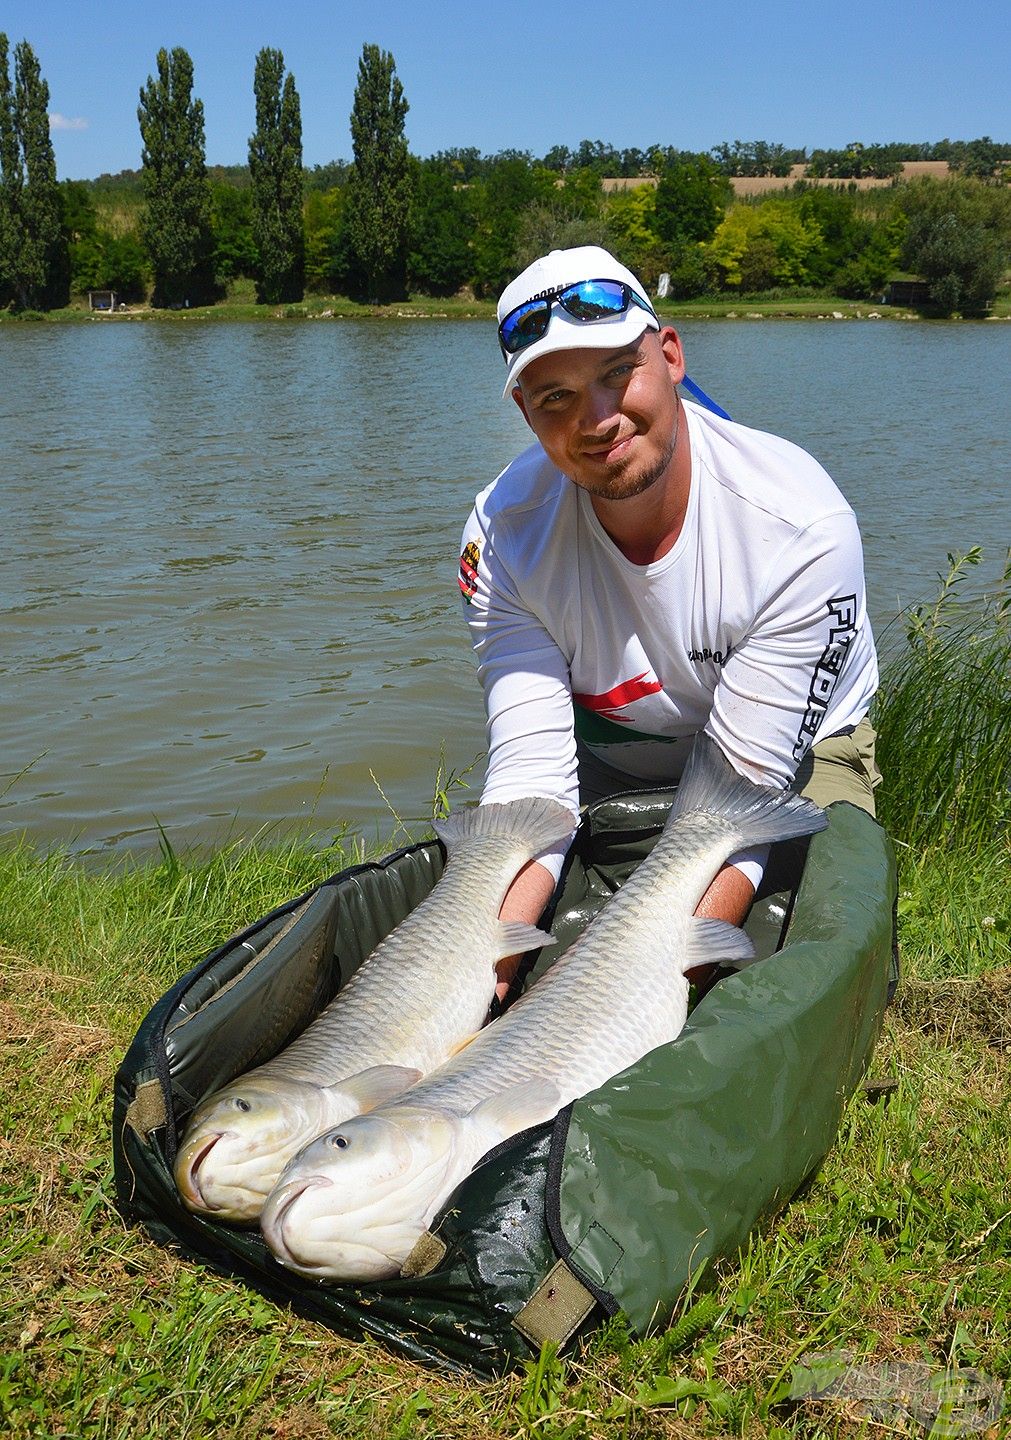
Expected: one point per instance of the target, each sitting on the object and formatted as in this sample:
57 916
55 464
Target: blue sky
533 73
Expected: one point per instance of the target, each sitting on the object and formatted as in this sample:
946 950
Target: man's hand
728 898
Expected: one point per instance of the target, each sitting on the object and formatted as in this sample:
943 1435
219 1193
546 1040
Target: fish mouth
277 1212
189 1181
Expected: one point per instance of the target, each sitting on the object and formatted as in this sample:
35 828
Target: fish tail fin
761 813
535 822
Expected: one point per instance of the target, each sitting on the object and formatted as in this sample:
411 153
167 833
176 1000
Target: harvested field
745 185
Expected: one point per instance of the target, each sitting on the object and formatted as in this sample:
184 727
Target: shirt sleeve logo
718 657
842 628
467 578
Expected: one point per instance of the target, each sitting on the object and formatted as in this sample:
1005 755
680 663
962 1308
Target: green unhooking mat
614 1205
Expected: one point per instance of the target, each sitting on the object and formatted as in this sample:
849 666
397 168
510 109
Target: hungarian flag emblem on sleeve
467 578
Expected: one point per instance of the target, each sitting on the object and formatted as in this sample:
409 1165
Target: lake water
228 557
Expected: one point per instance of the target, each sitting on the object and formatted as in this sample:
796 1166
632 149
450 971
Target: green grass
803 306
240 304
899 1249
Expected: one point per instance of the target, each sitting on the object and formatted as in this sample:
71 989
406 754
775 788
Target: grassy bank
900 1248
241 306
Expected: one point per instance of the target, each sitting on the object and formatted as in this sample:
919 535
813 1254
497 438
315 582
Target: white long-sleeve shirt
753 627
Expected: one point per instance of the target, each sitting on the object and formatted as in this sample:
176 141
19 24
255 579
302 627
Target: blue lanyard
697 393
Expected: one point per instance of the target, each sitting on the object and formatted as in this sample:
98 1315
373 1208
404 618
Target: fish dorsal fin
528 1103
710 941
516 938
371 1087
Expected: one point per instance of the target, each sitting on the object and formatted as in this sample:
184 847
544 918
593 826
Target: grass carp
424 991
354 1202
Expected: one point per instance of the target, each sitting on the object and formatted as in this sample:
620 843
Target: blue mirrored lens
594 299
524 325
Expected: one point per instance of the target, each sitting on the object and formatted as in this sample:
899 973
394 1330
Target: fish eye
339 1142
242 1105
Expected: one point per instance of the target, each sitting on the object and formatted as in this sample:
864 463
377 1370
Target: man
647 570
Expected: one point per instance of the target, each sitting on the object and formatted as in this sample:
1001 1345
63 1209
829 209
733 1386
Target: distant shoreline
825 307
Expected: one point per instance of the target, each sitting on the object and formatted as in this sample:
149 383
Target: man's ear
670 344
517 394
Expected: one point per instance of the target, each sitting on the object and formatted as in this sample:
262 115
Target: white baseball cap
552 273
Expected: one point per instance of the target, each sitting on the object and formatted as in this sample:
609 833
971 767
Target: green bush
694 274
959 240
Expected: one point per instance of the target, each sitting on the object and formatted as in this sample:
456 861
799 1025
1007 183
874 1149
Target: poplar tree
11 182
379 186
176 226
34 260
275 168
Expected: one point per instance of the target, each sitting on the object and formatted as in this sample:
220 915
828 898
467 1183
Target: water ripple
207 517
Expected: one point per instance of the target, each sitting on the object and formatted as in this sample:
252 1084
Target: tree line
387 223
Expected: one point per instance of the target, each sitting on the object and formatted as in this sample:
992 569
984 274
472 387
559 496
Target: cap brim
567 333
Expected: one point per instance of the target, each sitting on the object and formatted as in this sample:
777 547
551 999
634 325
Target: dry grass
953 1012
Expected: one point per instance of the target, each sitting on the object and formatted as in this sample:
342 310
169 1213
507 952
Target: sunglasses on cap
586 301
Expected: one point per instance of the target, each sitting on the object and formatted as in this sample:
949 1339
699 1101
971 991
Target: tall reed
943 717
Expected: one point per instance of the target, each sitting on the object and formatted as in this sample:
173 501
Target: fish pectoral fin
519 1107
371 1087
710 941
516 938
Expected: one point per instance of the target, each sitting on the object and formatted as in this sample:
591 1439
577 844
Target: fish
422 993
355 1201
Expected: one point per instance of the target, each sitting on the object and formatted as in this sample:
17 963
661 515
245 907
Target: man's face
608 419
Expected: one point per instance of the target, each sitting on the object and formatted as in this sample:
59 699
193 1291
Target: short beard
637 485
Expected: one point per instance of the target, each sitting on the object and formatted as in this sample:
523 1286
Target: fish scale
355 1201
421 993
397 981
631 951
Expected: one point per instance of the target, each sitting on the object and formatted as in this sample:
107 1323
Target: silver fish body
424 991
617 993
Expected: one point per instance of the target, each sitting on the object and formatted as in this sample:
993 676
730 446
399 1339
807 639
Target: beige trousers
839 768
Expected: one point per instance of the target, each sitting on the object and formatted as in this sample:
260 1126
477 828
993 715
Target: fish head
352 1205
239 1139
